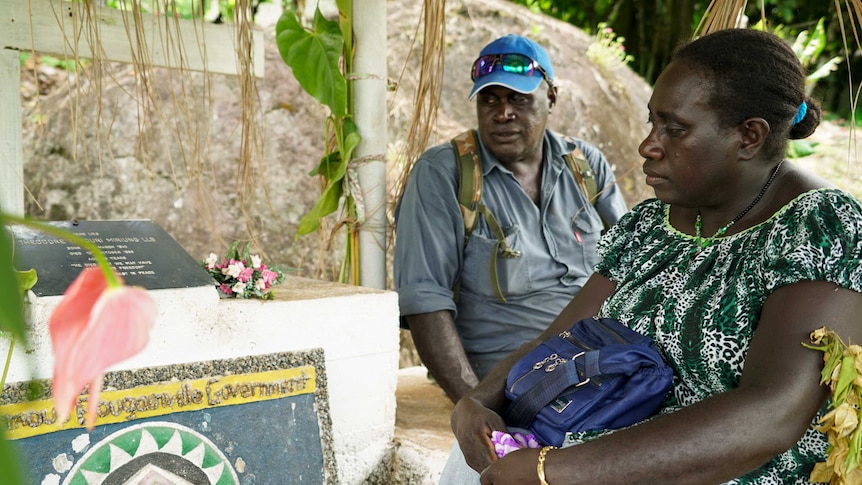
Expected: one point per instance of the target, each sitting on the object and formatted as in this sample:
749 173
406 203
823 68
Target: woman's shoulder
824 198
804 191
647 213
645 217
652 207
824 211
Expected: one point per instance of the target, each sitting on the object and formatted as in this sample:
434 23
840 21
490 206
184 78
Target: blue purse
598 375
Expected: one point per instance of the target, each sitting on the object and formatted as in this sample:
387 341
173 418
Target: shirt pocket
513 273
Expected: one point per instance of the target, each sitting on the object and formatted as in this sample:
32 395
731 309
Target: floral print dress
702 307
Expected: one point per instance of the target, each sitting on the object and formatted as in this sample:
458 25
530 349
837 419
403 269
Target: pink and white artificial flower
256 261
96 325
234 268
211 261
268 276
238 287
245 275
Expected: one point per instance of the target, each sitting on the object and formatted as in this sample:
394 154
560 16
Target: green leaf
327 204
345 17
233 252
834 355
12 300
333 166
245 254
800 148
26 280
314 58
813 45
826 69
852 460
330 167
845 378
351 139
10 463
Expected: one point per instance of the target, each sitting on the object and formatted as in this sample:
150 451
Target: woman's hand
516 468
473 424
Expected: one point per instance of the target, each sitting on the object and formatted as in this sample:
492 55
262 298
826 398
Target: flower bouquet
242 275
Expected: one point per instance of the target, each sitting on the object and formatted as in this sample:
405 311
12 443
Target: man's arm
440 349
428 257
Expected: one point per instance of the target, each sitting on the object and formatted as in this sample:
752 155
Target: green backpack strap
470 199
470 179
584 177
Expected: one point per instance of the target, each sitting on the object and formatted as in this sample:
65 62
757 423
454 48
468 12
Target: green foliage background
652 30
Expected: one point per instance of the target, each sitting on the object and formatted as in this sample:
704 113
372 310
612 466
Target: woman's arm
477 414
727 435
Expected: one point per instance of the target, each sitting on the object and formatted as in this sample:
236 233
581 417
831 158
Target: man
469 305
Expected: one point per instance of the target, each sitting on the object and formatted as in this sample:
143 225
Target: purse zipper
557 360
552 362
619 338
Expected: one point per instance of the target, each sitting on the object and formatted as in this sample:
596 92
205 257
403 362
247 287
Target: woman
737 259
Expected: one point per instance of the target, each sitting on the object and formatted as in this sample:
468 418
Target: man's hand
473 424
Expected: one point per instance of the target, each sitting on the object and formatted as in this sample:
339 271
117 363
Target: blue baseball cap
520 82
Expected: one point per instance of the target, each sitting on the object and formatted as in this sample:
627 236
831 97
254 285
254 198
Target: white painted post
59 28
11 151
369 109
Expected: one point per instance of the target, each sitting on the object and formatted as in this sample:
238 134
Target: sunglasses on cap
511 63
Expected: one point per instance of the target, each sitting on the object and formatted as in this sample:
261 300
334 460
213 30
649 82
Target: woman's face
689 159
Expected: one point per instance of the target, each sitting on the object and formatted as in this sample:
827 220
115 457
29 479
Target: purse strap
524 408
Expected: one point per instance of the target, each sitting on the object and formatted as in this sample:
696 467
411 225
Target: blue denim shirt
557 242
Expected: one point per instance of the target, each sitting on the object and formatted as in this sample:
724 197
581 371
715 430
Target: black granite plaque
140 251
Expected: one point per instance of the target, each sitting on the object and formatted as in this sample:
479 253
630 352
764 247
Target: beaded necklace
703 242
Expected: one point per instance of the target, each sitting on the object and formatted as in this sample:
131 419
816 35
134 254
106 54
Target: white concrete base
356 327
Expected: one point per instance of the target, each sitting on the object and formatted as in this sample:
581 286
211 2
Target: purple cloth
505 443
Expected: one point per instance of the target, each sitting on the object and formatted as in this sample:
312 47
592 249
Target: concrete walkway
422 434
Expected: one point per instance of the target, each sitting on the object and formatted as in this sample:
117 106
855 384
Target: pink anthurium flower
97 324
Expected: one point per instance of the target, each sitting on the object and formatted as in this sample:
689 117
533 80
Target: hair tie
800 113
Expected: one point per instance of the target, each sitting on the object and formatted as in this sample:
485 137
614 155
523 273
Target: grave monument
298 389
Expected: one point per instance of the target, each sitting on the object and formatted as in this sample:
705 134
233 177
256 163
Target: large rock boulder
94 155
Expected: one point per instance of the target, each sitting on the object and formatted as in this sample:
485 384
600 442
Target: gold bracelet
540 468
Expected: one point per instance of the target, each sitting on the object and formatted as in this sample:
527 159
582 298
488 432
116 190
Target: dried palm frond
854 11
721 14
428 91
179 118
842 373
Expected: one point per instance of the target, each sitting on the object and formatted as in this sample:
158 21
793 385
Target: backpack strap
470 199
470 179
584 175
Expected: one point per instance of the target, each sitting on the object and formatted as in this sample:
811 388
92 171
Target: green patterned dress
702 308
